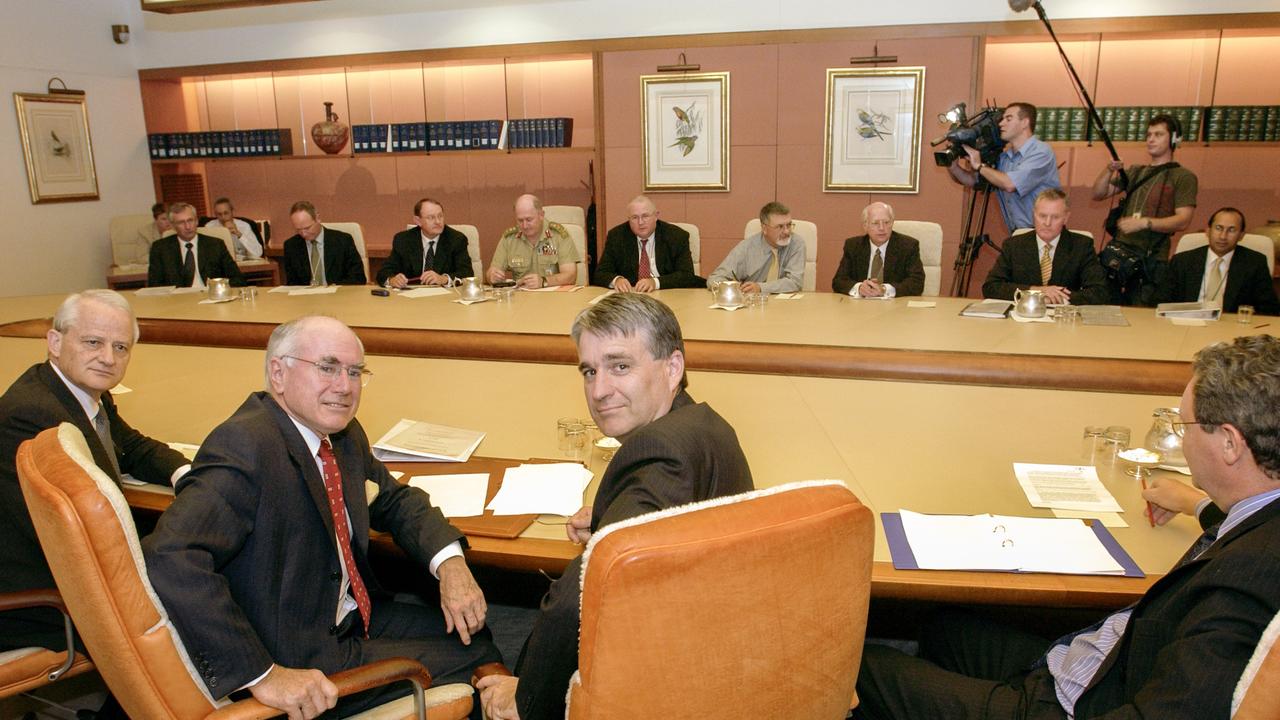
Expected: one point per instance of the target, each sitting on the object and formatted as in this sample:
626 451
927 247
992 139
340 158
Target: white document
460 301
1002 542
211 301
158 290
921 303
121 389
428 291
1108 519
188 450
555 288
456 495
287 288
788 296
413 441
318 290
1065 487
1187 322
729 308
554 488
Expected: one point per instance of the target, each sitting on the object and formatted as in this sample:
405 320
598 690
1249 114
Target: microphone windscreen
1020 5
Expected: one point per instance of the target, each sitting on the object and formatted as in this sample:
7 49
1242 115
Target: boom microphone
1020 5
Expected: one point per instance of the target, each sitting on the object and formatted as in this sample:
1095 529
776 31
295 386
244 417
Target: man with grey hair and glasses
1179 651
263 559
674 451
88 351
882 263
771 261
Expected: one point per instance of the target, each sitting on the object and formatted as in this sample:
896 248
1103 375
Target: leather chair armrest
40 597
349 682
487 669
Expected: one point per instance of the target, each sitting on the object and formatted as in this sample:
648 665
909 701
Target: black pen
1259 327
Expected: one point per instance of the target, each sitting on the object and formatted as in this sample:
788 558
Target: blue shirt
1032 168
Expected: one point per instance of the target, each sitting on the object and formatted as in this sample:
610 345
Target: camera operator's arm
963 172
997 179
1105 185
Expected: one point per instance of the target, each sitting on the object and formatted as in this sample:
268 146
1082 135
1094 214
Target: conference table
911 407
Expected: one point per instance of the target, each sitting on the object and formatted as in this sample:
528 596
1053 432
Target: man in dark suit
1176 653
674 451
1232 275
1052 259
189 259
88 352
431 254
645 254
262 559
318 255
881 263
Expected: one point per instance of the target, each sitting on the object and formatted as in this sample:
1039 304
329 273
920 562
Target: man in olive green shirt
536 252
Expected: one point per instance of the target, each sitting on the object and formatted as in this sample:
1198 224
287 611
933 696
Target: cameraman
1159 201
1025 168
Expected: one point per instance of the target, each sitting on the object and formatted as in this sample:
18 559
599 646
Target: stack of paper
455 495
1001 542
413 441
1065 487
425 291
987 309
554 489
1189 310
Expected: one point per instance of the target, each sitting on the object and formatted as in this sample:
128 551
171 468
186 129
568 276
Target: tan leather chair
579 237
750 606
1257 695
1260 243
695 245
473 247
357 235
806 230
29 668
98 564
123 231
929 235
566 215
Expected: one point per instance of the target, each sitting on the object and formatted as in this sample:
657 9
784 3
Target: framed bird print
685 128
56 146
873 130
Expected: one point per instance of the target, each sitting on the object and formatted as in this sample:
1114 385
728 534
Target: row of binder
463 135
225 143
1218 123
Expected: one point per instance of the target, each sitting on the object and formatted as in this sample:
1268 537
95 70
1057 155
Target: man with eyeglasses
188 258
645 253
262 560
430 254
88 348
1180 650
882 263
771 261
1221 271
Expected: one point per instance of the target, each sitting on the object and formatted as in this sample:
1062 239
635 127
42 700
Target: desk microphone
1020 5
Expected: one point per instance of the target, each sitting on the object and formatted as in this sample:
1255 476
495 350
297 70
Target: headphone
1175 128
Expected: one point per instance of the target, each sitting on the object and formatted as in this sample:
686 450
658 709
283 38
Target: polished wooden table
928 447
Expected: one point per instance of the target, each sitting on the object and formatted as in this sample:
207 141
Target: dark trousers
417 632
968 668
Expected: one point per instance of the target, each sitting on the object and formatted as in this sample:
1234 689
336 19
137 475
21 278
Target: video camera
981 132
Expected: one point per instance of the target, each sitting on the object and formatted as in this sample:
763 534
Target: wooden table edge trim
1046 372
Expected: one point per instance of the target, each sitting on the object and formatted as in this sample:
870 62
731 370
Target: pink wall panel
1239 82
1126 75
1032 71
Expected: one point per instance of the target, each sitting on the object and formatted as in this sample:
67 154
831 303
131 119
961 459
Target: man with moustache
771 261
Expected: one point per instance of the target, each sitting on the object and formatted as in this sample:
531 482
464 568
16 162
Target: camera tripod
971 242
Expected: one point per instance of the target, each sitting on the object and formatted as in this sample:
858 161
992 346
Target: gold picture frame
57 147
685 132
873 130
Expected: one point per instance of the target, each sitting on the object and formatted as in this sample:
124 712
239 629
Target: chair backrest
750 606
695 245
123 229
806 230
1257 694
222 234
579 236
1260 243
357 234
566 215
473 247
930 236
80 511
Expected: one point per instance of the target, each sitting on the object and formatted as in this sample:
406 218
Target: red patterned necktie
338 508
645 272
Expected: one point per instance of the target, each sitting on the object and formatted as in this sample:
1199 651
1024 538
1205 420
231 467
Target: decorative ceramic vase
329 134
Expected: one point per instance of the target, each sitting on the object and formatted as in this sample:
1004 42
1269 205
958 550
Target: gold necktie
1046 265
773 268
1214 286
877 267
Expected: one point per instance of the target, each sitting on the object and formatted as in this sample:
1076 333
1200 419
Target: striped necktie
1046 264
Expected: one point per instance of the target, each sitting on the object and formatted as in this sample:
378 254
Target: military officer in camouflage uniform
535 253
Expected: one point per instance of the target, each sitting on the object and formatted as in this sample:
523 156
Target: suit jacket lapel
1061 255
306 463
75 411
861 259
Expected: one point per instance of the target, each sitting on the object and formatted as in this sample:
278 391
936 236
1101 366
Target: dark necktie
103 429
429 259
338 508
644 271
188 267
877 266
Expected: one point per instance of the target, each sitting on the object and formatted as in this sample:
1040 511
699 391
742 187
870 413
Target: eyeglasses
784 226
1180 428
646 217
329 371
